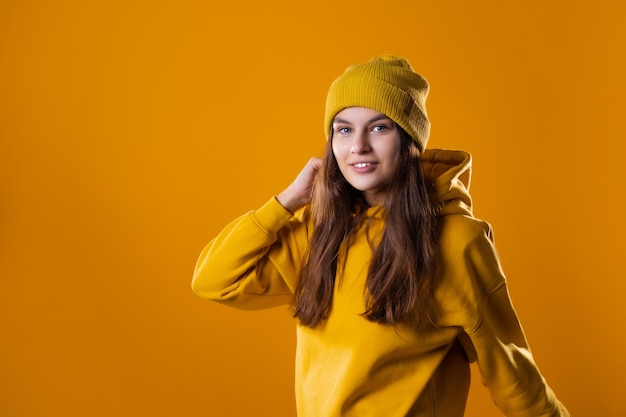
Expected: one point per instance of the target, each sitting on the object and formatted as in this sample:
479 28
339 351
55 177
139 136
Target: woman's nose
360 143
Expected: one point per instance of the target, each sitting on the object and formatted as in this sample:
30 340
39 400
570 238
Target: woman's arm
502 352
246 265
506 363
254 262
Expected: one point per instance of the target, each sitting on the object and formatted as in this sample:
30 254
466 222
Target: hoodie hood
448 172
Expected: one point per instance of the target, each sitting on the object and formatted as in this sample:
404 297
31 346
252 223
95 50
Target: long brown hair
400 275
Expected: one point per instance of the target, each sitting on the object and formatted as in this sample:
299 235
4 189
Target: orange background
131 132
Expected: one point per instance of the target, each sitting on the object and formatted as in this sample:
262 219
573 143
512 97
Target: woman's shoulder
461 230
468 271
468 256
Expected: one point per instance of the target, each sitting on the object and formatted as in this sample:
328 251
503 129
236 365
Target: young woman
395 285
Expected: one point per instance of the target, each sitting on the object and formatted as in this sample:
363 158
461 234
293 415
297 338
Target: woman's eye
343 130
380 128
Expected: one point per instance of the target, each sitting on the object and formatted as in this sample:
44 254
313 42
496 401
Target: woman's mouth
364 167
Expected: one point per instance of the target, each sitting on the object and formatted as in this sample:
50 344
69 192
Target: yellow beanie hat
386 84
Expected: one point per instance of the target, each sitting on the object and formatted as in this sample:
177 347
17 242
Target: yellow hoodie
351 367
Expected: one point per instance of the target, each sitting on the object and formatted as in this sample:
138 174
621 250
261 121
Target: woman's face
365 143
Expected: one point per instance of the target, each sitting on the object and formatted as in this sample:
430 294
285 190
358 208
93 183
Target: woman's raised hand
298 193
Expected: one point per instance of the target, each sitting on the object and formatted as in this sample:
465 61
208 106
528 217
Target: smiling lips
364 167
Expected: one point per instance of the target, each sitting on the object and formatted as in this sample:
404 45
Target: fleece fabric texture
351 367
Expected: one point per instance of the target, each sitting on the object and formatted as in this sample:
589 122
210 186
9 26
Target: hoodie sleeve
254 262
497 342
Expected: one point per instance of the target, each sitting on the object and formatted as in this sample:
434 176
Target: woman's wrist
288 201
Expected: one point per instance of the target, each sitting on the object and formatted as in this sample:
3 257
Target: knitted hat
386 84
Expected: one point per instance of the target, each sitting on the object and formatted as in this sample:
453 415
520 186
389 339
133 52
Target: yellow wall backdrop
132 131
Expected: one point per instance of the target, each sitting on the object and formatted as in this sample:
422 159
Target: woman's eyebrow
377 118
